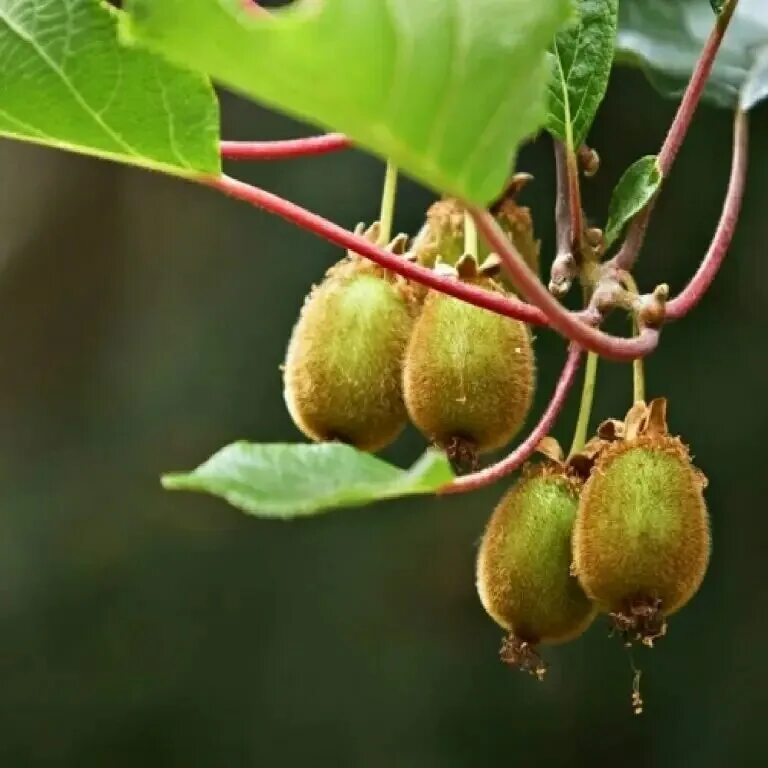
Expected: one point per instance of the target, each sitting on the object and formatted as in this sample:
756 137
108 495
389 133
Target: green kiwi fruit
441 239
343 367
641 540
523 566
469 374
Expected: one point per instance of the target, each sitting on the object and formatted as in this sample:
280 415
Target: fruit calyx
522 655
641 619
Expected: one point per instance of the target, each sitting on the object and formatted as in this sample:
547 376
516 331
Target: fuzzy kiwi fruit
441 239
469 374
641 540
343 367
523 566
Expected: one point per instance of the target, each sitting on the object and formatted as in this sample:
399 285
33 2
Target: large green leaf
65 81
285 481
582 56
447 88
636 187
665 38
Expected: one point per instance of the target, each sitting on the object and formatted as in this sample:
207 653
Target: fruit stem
526 449
690 296
630 249
638 369
585 406
388 197
471 239
285 149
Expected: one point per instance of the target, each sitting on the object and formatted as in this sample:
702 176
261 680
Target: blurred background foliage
145 320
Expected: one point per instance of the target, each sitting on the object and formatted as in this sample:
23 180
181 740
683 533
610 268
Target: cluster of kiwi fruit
371 351
620 528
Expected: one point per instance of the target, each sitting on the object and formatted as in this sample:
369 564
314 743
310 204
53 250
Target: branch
690 296
566 323
626 257
544 309
501 304
280 150
564 266
525 450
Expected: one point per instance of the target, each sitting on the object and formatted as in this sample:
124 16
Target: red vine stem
690 296
545 309
508 306
627 255
566 323
280 150
526 449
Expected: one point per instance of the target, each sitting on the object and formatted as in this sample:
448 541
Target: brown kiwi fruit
523 566
469 374
641 541
343 367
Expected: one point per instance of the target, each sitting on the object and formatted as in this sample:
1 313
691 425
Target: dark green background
144 320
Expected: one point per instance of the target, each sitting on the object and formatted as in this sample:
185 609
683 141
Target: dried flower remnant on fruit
523 566
343 368
469 374
641 540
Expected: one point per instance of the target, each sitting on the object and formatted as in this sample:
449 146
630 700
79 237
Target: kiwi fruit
343 367
641 540
523 566
441 239
469 374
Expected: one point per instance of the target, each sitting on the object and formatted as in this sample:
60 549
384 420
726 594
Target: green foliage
665 39
446 90
66 82
636 187
582 57
285 481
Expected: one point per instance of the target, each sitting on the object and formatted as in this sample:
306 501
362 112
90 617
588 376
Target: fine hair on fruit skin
641 541
343 367
469 375
523 565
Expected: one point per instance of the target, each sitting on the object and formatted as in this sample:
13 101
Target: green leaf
636 187
447 88
665 38
582 56
285 481
65 81
717 5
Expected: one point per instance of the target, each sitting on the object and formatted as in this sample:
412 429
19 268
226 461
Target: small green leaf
635 188
446 89
285 481
582 56
717 6
665 38
65 81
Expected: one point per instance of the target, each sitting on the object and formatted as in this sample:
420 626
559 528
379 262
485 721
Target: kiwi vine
436 329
